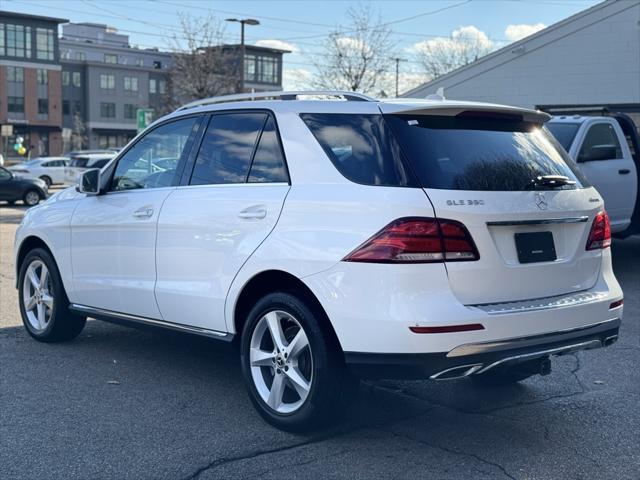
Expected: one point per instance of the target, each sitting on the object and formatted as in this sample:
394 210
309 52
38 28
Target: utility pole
398 60
242 22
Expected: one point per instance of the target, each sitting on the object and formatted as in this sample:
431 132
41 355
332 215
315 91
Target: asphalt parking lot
118 403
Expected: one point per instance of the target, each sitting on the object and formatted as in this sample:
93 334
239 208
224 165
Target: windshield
463 153
564 132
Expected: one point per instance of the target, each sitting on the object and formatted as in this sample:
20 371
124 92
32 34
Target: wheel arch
29 243
270 281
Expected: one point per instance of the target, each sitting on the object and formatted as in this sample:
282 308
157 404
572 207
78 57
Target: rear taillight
600 234
417 240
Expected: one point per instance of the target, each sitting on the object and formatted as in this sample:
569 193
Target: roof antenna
439 95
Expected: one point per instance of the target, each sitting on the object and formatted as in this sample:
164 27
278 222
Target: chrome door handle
253 214
144 212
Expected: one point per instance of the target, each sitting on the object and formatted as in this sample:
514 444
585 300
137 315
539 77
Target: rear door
609 166
481 169
228 203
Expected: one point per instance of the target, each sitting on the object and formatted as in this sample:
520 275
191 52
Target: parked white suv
430 239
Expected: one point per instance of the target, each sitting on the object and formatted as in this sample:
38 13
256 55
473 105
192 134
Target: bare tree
441 55
357 58
79 139
202 66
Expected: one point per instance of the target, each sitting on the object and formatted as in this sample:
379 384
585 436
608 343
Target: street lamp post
243 22
398 60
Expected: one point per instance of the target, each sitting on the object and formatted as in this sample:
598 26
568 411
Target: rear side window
227 148
268 161
564 132
489 154
361 147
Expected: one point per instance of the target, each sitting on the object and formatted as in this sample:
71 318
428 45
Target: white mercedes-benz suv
334 236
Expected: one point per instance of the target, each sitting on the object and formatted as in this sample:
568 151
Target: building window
43 106
18 41
107 110
157 64
15 104
162 87
43 76
130 111
130 84
15 74
66 78
76 81
140 62
44 44
80 56
107 82
250 68
76 106
268 70
2 39
110 58
153 85
65 53
66 107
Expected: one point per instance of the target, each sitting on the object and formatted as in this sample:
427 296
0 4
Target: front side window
44 44
153 160
600 143
361 147
227 148
473 151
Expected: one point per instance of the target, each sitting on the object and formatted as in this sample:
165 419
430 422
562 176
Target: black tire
325 399
501 376
63 325
46 179
29 197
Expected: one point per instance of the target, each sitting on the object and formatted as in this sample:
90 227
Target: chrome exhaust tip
610 340
456 372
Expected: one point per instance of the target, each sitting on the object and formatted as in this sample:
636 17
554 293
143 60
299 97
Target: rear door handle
144 212
253 213
624 171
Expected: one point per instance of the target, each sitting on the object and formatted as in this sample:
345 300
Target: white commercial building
589 62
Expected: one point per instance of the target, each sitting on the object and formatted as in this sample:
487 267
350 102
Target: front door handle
144 212
624 171
253 213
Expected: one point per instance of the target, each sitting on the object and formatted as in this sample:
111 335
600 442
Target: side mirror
598 152
89 182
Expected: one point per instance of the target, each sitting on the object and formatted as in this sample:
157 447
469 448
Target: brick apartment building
30 82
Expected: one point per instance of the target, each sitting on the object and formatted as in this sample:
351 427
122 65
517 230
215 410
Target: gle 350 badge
468 202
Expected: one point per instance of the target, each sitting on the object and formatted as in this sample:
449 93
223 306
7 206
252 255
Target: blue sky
302 25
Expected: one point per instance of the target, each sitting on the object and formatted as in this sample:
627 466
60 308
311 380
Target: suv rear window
361 147
486 153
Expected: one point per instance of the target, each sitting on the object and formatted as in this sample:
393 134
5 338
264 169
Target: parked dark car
14 188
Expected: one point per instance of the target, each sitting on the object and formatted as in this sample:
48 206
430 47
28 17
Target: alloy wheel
37 296
281 361
32 198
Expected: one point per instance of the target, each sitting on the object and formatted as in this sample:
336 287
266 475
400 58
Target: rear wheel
46 179
293 374
43 301
31 198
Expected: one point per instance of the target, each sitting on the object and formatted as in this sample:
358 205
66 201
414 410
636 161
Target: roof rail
291 95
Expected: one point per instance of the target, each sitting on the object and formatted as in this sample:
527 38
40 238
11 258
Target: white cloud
460 39
279 44
296 78
517 32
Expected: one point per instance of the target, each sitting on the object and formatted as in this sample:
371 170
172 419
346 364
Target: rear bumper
473 358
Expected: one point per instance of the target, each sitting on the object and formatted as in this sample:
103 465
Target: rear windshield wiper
550 181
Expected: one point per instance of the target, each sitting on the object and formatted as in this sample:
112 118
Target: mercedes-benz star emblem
541 201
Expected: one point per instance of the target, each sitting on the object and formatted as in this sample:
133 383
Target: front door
210 226
113 236
9 189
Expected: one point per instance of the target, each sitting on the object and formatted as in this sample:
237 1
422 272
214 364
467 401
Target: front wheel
43 301
31 198
292 371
